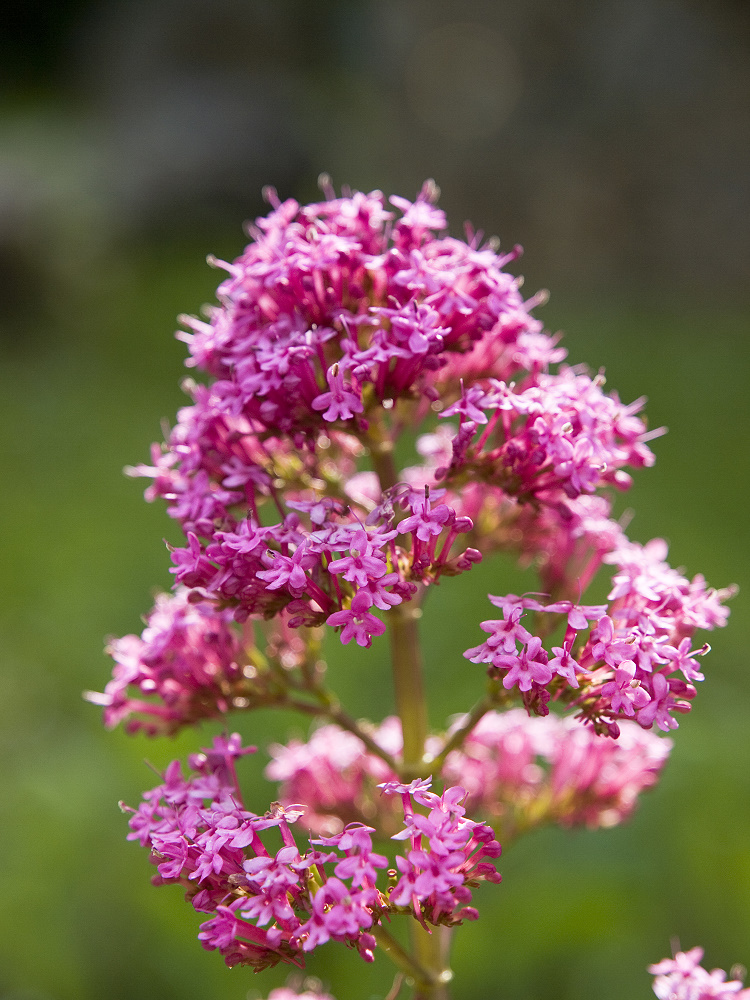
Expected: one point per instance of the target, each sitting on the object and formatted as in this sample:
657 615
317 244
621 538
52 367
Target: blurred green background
610 139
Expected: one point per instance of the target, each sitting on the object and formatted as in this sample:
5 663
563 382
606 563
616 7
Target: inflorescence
345 329
274 906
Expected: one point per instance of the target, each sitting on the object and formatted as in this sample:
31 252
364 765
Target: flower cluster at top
684 978
344 328
270 905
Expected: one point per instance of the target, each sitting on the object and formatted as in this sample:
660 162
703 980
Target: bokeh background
612 139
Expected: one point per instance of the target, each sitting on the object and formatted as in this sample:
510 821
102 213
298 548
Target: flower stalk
343 325
408 682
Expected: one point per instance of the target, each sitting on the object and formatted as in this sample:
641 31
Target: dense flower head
629 659
183 667
266 907
446 855
346 328
684 978
342 325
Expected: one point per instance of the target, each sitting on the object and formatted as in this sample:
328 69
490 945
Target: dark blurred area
612 140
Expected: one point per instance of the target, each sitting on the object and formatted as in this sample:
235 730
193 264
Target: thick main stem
429 950
406 657
432 952
406 663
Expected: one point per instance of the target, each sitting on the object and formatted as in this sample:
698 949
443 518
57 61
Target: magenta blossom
376 410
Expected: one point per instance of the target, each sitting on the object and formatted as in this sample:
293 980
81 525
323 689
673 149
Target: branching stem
336 714
415 975
456 739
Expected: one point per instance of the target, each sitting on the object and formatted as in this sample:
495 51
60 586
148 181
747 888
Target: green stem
336 714
429 950
432 952
406 658
396 988
455 741
414 972
406 662
343 719
381 452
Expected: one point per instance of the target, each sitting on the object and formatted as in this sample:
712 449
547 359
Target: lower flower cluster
684 978
680 978
267 906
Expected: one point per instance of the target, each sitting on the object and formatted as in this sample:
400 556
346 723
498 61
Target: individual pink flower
340 403
530 666
357 621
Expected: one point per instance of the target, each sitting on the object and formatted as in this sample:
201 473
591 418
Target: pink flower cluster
350 335
520 771
269 907
517 772
339 327
184 666
631 658
342 326
191 662
684 978
446 856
